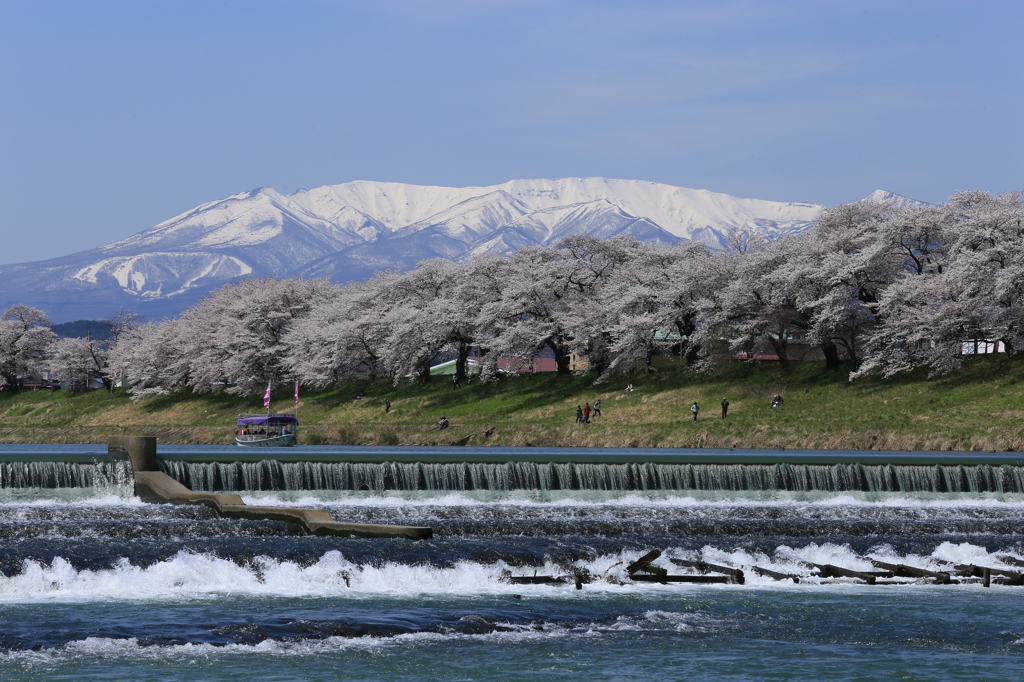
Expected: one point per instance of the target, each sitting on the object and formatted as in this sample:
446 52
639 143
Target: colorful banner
266 397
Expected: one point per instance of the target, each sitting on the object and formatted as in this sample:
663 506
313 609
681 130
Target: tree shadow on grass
217 400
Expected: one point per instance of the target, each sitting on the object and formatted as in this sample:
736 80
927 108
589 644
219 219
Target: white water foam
189 575
658 499
101 499
129 650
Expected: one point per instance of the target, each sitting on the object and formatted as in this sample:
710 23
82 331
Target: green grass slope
979 408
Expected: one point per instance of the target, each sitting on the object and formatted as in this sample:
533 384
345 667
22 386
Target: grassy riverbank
979 408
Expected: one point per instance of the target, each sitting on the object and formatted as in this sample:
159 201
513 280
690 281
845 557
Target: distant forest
98 330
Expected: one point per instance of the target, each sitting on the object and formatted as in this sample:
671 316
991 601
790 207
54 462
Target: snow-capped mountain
880 196
348 231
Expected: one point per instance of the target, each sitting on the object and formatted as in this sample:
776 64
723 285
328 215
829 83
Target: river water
96 585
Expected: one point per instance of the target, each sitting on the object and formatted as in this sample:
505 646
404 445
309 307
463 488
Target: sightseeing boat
267 430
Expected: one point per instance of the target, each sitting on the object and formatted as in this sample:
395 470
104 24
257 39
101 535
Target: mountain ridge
348 231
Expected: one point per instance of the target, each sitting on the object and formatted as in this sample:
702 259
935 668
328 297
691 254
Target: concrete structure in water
152 485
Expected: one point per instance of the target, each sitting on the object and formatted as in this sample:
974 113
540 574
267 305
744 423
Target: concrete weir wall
152 485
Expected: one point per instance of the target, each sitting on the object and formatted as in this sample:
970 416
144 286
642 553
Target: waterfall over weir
465 476
42 474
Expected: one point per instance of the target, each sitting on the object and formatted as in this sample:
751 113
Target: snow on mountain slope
395 205
350 230
248 219
163 274
472 218
880 196
677 210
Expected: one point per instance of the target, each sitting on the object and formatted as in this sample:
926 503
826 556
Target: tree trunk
460 363
692 353
12 381
781 346
561 358
831 352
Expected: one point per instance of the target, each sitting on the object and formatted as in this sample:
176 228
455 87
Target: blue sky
117 115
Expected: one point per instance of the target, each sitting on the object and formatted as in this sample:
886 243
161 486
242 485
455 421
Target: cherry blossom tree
237 334
72 360
24 335
972 292
341 338
153 359
82 359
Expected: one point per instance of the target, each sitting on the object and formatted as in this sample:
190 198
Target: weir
206 474
81 471
428 469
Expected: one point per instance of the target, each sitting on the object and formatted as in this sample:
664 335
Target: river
97 585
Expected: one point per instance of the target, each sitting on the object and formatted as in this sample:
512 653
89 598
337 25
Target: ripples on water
97 585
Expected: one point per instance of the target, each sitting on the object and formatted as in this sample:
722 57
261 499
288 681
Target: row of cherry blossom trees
891 287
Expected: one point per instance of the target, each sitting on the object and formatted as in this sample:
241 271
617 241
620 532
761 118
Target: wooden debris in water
643 562
1013 577
700 579
775 575
830 571
735 574
904 571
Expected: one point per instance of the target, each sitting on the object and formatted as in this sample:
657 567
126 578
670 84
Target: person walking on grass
387 405
586 413
597 408
725 407
695 408
579 414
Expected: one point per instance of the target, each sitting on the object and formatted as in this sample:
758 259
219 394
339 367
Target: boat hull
274 442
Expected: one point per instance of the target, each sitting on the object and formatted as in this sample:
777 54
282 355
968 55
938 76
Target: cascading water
467 476
98 475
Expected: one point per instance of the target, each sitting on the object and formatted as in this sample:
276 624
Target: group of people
583 414
695 408
777 401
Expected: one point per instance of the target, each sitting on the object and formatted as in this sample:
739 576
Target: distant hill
97 329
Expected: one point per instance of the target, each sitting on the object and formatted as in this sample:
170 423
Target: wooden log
904 571
1012 560
700 579
735 574
652 570
774 575
535 579
643 561
979 572
830 571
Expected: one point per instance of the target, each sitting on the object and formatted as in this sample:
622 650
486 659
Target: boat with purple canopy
267 430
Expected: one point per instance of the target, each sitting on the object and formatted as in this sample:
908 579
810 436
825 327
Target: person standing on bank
586 413
725 407
597 408
579 414
695 408
387 405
